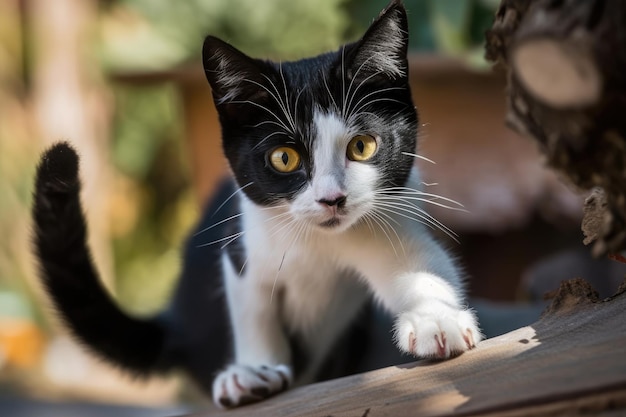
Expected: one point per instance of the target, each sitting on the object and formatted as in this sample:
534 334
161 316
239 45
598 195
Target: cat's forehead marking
331 132
329 142
329 126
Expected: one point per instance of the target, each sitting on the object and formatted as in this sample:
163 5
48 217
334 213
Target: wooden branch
566 64
560 74
570 361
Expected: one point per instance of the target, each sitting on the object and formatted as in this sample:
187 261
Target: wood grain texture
571 361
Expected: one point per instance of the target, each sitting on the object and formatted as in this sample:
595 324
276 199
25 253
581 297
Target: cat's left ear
383 48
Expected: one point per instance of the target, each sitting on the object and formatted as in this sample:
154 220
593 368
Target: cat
322 219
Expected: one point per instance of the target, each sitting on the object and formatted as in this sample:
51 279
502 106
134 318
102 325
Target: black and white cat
324 217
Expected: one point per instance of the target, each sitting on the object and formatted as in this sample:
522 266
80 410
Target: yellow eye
361 148
285 159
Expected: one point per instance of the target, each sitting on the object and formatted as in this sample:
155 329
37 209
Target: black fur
70 277
193 333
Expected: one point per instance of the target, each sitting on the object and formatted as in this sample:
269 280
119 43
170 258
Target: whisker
266 138
365 97
276 98
372 93
368 222
280 226
428 220
329 93
288 114
383 224
375 101
392 209
234 236
238 190
243 265
271 122
411 191
393 229
295 107
362 82
414 155
217 224
276 277
276 217
343 82
274 207
281 123
425 200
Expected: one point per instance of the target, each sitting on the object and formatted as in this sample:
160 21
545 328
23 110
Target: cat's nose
339 201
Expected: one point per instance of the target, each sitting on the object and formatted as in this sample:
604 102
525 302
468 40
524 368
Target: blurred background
122 81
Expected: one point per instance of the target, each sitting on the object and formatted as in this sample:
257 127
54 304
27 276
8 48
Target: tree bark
566 65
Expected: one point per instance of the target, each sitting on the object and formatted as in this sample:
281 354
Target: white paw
436 332
240 384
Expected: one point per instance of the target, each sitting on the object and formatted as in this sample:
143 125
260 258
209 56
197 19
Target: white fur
295 275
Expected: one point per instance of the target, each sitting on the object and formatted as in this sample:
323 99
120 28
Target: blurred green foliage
153 206
16 170
166 32
449 27
157 34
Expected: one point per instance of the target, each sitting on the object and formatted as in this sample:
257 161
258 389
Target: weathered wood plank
573 359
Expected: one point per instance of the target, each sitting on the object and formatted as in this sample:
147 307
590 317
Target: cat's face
320 137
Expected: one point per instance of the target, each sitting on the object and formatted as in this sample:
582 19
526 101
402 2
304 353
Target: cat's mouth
330 223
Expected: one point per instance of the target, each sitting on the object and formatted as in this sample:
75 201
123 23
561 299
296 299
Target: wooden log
566 65
568 363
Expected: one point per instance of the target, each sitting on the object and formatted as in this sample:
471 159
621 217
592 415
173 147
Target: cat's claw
440 336
240 384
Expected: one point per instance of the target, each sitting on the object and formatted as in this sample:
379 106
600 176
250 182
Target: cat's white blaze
335 175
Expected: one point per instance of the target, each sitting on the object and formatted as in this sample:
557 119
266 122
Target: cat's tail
71 280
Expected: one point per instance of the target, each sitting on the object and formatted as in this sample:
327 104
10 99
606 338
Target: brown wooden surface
571 361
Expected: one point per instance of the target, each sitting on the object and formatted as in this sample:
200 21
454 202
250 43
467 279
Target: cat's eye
361 148
284 159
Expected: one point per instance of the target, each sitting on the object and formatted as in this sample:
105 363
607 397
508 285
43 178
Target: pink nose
338 201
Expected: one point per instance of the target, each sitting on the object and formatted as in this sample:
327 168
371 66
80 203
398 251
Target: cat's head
322 135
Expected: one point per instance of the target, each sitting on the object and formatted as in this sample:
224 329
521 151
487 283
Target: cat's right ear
234 76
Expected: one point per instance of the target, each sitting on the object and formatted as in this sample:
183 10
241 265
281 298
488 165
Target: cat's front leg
423 288
240 384
262 353
434 324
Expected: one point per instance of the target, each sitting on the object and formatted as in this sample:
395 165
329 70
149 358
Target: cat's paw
440 333
240 384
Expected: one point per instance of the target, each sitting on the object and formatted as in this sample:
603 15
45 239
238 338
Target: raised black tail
69 275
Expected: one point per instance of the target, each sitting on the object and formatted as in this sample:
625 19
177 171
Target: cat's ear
233 75
383 48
